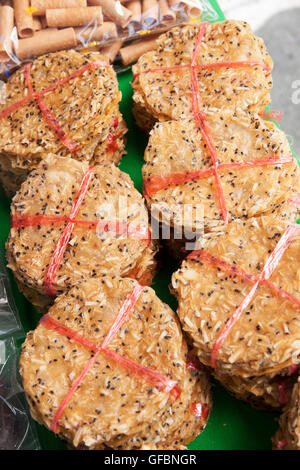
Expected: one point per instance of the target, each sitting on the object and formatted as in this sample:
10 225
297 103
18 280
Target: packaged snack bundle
108 366
194 188
200 68
65 103
238 302
71 222
30 28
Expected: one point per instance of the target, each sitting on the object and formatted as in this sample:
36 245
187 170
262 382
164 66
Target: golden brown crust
265 339
265 392
176 147
167 94
111 197
85 107
113 407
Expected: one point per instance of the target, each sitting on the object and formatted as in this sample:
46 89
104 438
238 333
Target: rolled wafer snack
44 41
150 12
39 7
106 31
63 17
6 27
192 8
114 10
130 54
166 14
175 4
135 7
112 50
37 24
23 18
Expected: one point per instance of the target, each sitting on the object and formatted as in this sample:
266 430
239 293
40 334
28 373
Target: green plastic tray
233 425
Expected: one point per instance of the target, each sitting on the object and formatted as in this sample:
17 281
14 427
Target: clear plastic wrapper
121 29
17 428
9 321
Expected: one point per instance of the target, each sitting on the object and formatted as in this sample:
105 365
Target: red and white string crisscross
156 183
158 380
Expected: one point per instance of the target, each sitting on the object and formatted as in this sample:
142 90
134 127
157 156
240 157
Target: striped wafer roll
114 11
192 8
130 54
135 7
6 27
150 12
166 14
106 31
112 50
44 41
23 18
64 17
39 7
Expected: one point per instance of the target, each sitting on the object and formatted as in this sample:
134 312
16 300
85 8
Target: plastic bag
9 320
29 28
17 428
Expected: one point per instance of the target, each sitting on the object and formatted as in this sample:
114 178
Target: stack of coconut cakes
162 78
65 103
108 365
71 222
221 175
140 387
81 250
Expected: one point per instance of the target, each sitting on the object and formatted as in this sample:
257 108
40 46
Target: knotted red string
158 380
291 232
